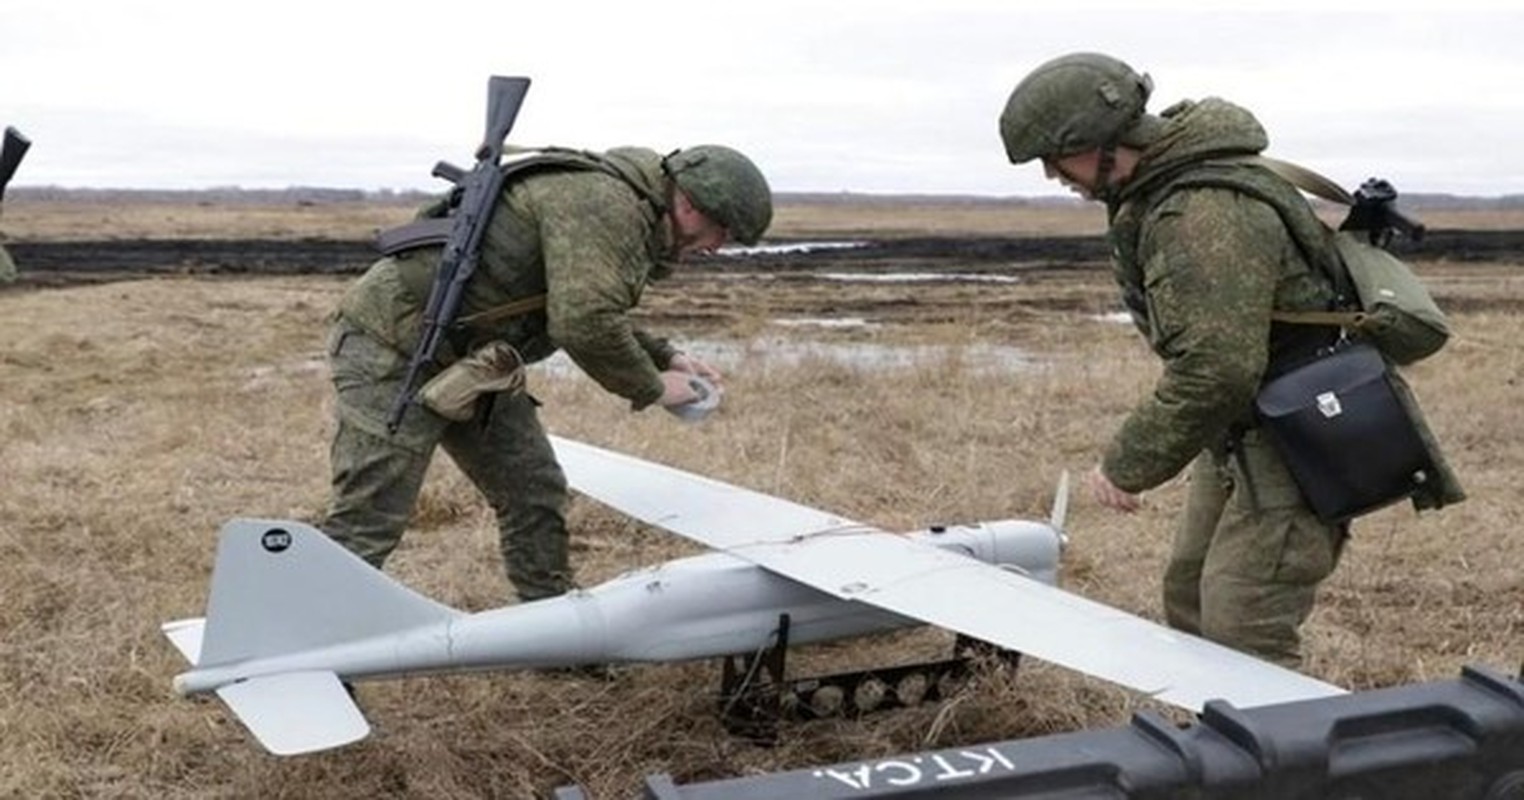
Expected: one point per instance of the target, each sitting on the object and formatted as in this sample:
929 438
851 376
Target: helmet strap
1105 165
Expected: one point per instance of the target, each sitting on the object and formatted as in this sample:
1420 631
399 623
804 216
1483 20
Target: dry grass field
137 416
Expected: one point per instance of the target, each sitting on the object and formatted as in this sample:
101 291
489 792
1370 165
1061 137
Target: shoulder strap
570 158
1304 179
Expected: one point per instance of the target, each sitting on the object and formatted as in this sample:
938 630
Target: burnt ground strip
209 256
65 262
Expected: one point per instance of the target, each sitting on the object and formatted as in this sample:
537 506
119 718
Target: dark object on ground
1456 739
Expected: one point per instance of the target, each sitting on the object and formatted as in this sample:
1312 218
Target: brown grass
136 417
911 217
85 219
800 217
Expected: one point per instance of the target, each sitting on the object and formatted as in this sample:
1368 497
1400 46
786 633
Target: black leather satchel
1345 434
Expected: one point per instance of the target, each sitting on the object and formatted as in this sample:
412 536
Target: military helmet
1072 104
726 186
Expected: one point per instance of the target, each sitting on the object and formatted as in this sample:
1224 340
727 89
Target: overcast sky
826 95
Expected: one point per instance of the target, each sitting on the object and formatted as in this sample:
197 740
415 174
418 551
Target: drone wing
857 562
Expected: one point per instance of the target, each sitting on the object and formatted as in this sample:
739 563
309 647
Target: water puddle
773 351
853 323
784 248
916 277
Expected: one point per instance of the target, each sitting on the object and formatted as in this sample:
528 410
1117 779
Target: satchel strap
1305 179
1342 319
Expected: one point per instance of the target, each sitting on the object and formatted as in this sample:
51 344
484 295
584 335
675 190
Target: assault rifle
471 203
1375 211
10 156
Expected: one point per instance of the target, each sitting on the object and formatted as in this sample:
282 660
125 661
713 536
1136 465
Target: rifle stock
477 191
14 149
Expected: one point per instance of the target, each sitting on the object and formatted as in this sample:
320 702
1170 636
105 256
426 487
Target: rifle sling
512 308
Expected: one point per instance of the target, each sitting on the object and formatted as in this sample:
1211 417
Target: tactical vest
1325 287
432 228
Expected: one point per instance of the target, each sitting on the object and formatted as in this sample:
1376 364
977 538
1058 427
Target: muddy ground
64 261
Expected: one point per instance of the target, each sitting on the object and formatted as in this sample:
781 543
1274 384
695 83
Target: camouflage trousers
1248 555
377 477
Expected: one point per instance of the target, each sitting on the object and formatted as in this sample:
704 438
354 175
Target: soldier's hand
677 388
1107 494
682 362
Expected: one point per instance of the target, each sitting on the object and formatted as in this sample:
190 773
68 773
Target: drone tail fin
280 588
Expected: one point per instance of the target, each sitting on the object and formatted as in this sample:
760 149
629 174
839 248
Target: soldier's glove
493 367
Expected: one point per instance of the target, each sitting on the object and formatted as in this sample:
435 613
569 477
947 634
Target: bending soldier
570 244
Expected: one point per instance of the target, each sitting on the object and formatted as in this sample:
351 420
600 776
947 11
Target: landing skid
755 695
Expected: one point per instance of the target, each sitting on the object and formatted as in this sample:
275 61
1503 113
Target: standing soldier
15 146
570 244
7 266
1206 247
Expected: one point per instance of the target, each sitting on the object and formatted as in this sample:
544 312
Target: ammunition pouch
492 368
1346 435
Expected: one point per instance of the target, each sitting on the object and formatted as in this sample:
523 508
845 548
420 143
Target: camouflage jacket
1201 266
586 239
1207 246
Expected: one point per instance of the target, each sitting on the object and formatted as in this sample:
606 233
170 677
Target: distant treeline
314 195
221 195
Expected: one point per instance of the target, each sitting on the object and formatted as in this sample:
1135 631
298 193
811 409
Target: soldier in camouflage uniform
1204 251
7 169
585 230
7 266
